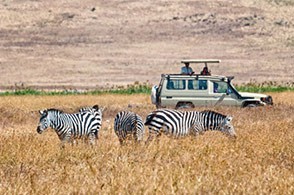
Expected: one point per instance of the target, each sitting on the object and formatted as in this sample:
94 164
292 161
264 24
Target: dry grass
260 161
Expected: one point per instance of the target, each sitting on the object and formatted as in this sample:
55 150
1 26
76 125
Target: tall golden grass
260 161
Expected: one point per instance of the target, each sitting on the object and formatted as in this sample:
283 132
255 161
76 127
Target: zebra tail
136 121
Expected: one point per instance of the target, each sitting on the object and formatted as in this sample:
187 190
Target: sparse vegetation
266 87
260 161
282 2
135 88
290 42
146 89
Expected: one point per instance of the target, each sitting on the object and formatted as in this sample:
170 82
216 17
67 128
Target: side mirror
229 91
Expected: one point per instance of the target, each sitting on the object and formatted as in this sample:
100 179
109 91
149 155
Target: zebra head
227 127
44 122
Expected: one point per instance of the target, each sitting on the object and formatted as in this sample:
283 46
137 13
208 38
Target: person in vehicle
215 87
187 69
205 71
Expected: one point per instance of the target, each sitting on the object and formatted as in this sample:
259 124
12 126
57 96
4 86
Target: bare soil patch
97 44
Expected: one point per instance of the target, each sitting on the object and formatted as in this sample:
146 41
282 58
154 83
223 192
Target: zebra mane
213 112
54 110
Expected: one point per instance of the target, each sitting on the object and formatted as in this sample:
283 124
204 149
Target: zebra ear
96 107
43 112
229 118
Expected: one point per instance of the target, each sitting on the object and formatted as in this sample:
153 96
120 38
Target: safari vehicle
204 89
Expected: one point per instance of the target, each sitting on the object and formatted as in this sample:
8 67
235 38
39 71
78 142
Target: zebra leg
118 133
65 138
121 141
135 136
96 134
152 133
196 130
64 141
139 135
92 138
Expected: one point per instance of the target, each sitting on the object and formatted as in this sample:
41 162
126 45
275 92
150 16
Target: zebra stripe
128 123
177 123
210 120
97 113
71 126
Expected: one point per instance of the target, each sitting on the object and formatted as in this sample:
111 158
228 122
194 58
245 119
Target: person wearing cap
187 69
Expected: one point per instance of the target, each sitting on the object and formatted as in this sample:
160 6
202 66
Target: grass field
260 161
74 45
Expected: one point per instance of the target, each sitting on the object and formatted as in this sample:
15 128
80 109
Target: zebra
70 126
178 123
94 110
128 123
97 113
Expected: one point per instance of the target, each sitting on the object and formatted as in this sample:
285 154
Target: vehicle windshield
233 89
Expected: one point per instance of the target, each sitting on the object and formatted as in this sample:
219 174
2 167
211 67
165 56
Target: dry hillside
87 44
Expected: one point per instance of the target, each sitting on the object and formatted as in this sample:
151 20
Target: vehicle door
173 91
197 92
222 94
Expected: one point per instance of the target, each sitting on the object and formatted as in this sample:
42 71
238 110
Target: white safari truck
204 89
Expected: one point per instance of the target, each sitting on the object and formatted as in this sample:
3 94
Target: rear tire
251 106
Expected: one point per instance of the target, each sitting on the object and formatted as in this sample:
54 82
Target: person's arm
191 70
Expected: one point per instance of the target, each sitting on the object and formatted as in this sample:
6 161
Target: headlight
267 100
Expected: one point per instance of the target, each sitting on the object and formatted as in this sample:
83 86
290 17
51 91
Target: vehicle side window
220 87
175 84
197 84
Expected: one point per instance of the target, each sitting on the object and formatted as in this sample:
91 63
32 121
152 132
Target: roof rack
200 61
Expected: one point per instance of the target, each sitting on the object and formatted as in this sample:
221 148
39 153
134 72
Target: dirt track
94 44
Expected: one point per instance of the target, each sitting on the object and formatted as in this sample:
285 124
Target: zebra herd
87 122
